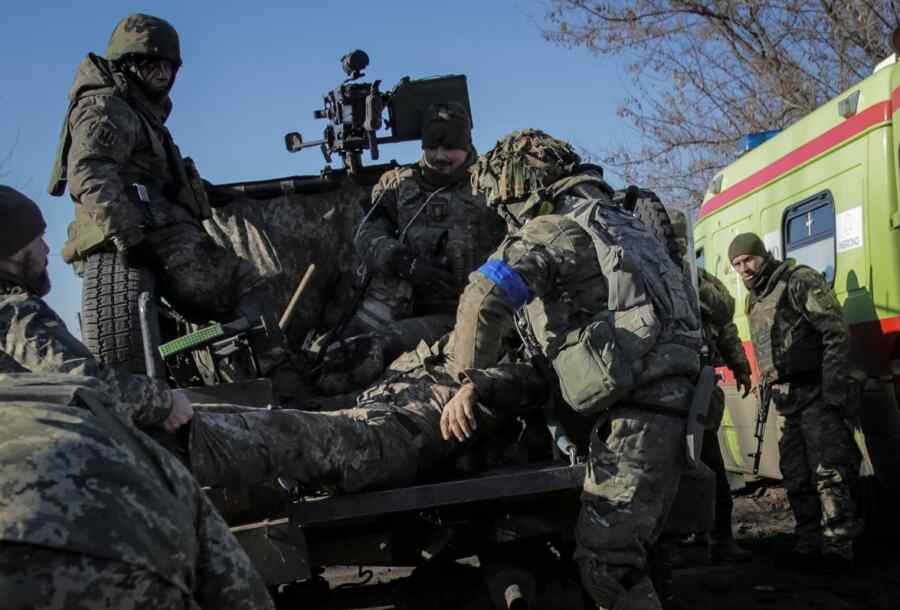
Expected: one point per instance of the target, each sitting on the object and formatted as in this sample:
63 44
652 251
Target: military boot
724 549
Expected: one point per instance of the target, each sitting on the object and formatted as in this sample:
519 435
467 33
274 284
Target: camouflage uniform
801 342
94 514
550 269
434 219
724 349
132 187
389 439
34 338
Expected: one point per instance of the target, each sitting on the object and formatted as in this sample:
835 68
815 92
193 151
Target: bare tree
707 73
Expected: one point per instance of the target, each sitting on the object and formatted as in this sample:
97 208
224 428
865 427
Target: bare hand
743 381
181 413
458 417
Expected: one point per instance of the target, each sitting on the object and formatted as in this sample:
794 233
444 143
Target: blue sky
255 70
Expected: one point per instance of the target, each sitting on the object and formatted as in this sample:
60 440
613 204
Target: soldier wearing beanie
34 338
814 388
424 233
23 251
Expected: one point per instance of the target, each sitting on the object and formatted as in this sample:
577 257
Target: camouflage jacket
420 383
800 337
112 138
562 289
77 482
719 331
448 226
34 337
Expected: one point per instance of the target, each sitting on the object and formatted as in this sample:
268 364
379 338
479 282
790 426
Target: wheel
650 210
110 322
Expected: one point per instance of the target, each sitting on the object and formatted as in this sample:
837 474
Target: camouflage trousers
631 482
820 465
198 276
35 577
711 455
376 446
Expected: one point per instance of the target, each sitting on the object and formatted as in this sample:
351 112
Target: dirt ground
763 525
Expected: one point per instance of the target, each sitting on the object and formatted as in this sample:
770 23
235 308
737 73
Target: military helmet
521 167
146 35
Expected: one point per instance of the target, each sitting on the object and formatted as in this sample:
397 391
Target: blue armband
511 283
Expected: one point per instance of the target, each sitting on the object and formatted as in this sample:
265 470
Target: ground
762 523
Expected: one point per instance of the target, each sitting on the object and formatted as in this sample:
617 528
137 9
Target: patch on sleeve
103 133
510 282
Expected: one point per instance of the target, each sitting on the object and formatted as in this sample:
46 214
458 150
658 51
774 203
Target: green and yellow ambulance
825 192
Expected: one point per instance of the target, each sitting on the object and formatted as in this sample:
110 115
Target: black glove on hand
421 272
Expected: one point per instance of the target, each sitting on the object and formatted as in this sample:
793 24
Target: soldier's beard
35 276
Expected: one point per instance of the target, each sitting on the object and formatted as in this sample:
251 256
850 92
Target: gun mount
355 112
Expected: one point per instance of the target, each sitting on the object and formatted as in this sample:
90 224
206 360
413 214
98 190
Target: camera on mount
355 112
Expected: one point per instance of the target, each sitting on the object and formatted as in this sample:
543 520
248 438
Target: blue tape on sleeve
510 282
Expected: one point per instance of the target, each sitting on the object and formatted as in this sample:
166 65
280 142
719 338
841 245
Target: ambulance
823 191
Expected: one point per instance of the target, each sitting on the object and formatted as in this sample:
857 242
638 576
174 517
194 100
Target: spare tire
110 320
650 210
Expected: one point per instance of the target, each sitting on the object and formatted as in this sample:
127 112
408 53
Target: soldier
801 343
33 338
612 318
388 439
425 232
135 193
96 515
724 348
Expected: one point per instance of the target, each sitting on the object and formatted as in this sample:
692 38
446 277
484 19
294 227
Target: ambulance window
700 257
809 233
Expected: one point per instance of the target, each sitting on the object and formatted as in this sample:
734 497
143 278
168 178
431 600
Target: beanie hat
21 221
746 244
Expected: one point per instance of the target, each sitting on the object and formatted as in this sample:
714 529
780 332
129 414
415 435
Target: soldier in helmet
34 338
424 233
801 343
724 348
134 192
97 515
612 320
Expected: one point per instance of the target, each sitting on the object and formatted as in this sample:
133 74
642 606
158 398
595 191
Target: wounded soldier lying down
394 433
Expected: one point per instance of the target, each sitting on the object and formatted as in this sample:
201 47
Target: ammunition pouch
594 372
84 237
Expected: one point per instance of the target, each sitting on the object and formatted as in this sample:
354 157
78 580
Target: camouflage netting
282 236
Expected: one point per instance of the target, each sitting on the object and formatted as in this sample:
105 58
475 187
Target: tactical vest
784 342
87 483
449 226
648 329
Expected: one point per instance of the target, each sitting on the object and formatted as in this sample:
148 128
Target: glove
420 272
742 380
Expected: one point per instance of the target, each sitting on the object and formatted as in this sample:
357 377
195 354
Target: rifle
762 415
355 112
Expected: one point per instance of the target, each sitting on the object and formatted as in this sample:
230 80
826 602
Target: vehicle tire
650 211
110 320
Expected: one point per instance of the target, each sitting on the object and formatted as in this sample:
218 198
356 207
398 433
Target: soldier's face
445 160
747 266
30 265
158 75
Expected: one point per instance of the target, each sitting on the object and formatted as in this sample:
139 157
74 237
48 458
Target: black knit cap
21 221
746 244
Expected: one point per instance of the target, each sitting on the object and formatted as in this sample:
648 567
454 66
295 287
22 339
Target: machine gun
762 415
355 112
